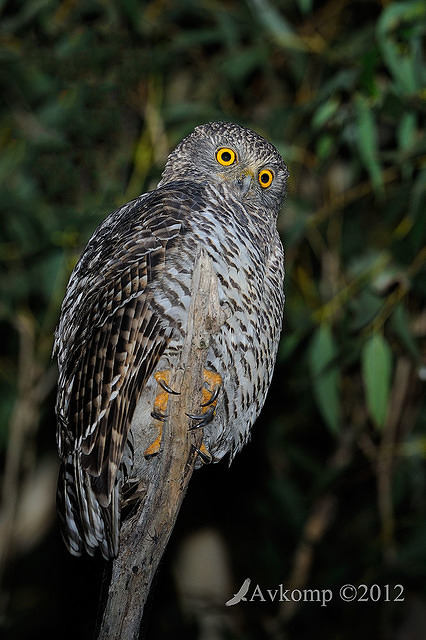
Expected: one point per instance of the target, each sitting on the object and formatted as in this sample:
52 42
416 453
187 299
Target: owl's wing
110 337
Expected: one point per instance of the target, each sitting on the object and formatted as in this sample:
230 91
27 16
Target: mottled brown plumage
124 317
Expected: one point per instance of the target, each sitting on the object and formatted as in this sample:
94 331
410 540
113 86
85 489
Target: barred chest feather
250 273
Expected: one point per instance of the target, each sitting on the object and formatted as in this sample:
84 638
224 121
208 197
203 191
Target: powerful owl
124 318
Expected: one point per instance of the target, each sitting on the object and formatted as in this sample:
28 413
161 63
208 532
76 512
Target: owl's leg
159 412
212 384
211 388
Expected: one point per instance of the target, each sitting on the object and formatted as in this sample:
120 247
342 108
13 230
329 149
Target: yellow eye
265 178
226 156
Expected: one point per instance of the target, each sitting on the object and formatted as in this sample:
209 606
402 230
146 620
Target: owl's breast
239 260
249 272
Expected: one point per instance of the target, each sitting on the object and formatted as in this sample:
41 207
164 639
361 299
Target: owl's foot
211 389
159 412
154 448
162 378
214 381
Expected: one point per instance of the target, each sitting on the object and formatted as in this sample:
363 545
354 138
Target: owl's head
234 159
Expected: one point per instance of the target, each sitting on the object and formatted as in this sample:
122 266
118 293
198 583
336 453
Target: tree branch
144 537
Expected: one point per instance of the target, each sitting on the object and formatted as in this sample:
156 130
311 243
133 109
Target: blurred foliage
331 490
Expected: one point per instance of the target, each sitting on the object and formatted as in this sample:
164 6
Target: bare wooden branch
144 537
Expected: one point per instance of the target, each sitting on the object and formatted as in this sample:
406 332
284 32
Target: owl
124 317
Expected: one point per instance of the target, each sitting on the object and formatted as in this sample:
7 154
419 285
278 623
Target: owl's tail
85 524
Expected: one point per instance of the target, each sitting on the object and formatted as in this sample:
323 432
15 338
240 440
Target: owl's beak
244 182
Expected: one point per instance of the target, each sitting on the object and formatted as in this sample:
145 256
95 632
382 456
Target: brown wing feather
109 338
131 368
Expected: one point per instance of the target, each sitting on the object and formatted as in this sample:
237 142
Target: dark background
331 489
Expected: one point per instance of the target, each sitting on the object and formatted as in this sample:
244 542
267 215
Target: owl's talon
194 416
158 416
203 419
166 387
205 456
213 397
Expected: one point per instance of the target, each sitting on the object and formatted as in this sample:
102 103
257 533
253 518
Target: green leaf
367 143
325 146
325 376
376 364
276 25
406 132
401 65
324 112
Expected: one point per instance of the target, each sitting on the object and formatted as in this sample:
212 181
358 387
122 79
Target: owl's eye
265 178
226 156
